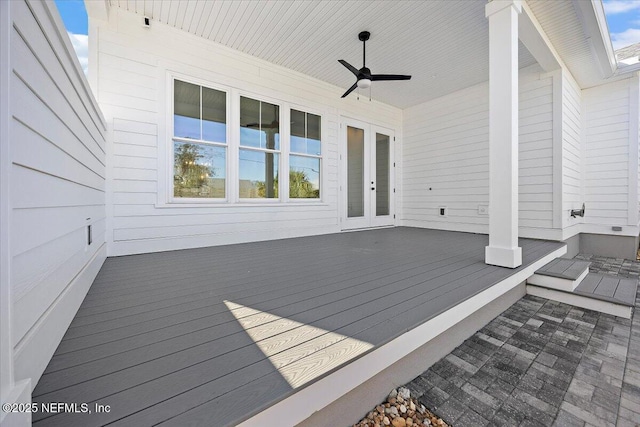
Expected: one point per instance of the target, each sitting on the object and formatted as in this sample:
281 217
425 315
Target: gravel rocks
400 410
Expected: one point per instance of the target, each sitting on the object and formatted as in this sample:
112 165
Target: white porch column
503 247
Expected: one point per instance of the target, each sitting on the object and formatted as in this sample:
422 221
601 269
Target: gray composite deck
564 268
618 290
211 336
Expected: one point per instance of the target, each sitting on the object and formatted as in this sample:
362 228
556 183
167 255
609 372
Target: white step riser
551 282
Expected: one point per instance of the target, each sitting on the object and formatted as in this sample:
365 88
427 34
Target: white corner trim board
301 405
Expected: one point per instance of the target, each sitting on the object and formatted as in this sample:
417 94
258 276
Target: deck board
564 268
609 288
626 291
183 335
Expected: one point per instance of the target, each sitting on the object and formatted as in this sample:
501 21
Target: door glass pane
382 175
355 172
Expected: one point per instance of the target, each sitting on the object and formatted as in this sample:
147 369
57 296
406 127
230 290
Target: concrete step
599 292
562 274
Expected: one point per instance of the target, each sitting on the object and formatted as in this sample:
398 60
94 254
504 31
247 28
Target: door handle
373 188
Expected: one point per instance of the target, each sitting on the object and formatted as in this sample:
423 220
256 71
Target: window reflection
199 170
186 108
304 177
304 161
259 124
199 167
258 174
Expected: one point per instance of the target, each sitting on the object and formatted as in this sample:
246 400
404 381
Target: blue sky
74 16
623 19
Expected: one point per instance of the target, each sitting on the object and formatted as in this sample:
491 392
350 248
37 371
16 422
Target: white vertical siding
445 158
132 63
57 153
572 185
606 126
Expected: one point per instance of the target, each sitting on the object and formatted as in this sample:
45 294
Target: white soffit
561 22
443 44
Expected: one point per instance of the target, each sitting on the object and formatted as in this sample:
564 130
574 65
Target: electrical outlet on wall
442 211
483 210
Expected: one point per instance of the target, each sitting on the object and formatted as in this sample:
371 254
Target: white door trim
369 219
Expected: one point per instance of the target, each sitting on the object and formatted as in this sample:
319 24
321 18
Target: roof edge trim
591 14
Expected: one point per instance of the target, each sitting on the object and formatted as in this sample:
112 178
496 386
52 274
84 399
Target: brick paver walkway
542 363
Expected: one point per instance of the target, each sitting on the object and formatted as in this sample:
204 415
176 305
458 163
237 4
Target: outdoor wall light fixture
577 212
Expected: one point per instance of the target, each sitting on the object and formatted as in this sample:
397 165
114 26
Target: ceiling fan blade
351 89
350 67
380 77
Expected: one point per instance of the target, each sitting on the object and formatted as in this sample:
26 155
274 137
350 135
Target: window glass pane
250 134
298 124
214 115
258 174
304 177
313 134
271 125
305 133
382 175
186 110
259 124
199 170
355 172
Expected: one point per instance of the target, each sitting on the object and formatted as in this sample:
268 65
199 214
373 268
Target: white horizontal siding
606 153
131 61
57 153
572 162
445 158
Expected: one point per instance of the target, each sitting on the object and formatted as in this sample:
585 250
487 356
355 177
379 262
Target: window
259 149
304 157
268 163
199 141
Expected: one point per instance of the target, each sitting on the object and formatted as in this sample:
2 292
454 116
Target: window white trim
324 136
165 198
279 104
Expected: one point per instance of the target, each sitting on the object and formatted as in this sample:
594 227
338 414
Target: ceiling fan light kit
363 75
364 83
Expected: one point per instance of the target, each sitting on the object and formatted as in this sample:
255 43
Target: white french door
367 178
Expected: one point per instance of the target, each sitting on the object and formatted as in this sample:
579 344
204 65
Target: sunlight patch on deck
299 352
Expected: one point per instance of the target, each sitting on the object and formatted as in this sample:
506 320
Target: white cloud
614 7
625 38
80 44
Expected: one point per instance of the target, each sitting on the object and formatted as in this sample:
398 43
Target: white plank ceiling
443 44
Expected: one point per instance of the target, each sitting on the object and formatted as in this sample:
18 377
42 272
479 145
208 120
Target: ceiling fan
363 75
